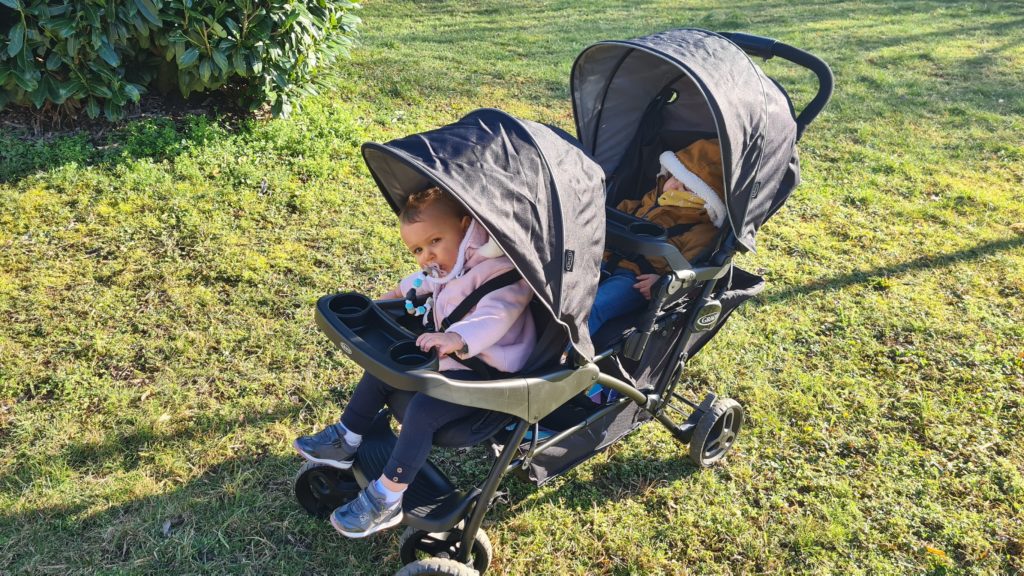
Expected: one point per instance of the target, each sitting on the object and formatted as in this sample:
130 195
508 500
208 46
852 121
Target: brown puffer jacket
704 159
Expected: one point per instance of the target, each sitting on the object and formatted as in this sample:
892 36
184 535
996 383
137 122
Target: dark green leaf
221 60
39 96
55 90
188 58
140 25
101 91
92 108
205 70
26 81
108 53
63 27
149 10
53 61
112 111
239 61
75 89
132 92
11 4
16 38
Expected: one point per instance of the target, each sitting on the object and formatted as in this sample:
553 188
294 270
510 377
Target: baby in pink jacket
456 257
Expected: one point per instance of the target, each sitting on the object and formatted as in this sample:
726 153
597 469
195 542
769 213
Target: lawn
158 352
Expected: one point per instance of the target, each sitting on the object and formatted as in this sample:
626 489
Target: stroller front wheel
418 545
716 432
437 567
320 489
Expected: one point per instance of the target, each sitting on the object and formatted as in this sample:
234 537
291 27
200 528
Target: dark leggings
423 416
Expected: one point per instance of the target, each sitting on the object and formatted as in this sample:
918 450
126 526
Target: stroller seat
463 433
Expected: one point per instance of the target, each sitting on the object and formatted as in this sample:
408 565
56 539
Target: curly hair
420 201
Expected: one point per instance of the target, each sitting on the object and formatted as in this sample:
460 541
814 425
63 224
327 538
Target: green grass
158 354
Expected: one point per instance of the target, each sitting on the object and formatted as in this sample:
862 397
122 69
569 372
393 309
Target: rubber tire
438 567
481 554
724 412
320 488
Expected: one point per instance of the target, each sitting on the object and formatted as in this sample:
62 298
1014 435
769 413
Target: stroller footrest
431 502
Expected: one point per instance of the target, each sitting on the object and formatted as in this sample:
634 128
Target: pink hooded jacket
499 330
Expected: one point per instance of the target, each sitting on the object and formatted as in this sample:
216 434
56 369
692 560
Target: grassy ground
157 349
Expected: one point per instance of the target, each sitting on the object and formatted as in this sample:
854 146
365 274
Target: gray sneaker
366 514
327 446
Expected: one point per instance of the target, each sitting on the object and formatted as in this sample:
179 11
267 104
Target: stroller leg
483 501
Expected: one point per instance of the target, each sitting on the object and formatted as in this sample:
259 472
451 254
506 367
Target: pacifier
432 270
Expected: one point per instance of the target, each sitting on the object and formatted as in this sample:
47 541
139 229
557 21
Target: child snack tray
381 337
377 335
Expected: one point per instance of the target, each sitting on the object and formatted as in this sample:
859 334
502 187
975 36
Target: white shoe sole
396 520
340 465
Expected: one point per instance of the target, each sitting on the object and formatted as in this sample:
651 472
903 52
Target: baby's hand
644 283
395 293
445 342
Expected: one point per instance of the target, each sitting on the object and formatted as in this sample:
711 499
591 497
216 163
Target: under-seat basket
564 455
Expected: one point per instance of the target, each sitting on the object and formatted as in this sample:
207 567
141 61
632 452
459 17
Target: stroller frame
445 523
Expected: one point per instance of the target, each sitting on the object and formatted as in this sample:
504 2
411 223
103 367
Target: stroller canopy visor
720 90
538 195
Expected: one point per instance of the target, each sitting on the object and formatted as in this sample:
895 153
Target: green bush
103 54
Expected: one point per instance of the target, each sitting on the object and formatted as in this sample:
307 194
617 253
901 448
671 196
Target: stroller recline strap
497 283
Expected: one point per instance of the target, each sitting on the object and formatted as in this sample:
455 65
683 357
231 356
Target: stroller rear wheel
417 545
438 567
320 489
716 432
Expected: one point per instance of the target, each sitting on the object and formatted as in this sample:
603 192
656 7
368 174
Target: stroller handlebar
768 48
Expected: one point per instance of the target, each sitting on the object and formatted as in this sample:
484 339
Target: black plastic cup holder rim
646 229
407 353
350 305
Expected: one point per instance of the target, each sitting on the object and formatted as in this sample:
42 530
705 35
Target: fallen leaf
935 551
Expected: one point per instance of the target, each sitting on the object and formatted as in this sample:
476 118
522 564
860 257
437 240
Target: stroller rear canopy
720 90
538 195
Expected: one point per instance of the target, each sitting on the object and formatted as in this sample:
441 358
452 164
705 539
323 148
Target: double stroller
543 196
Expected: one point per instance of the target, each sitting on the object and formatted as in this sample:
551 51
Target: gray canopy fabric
720 91
540 197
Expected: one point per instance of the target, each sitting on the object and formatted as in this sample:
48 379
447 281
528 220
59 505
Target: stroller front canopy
537 194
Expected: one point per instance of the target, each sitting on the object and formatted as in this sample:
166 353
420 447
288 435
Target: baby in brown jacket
688 203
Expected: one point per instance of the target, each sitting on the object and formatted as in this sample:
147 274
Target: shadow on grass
921 263
240 515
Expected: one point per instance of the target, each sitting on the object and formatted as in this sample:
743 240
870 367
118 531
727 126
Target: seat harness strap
497 283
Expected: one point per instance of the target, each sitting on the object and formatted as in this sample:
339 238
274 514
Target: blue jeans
615 297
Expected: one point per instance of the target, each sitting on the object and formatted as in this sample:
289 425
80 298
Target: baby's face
434 240
673 184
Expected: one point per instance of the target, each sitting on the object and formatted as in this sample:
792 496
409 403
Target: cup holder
646 229
407 354
350 306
